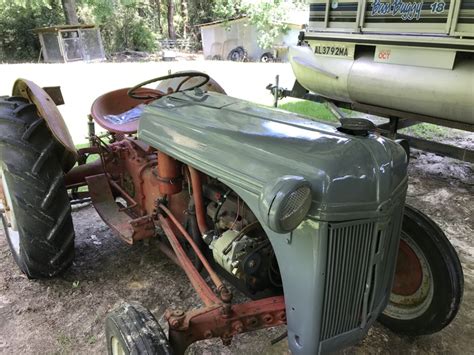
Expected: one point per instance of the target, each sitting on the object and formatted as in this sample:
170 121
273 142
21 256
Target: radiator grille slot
350 250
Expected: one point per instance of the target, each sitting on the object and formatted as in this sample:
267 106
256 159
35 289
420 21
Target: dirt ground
66 315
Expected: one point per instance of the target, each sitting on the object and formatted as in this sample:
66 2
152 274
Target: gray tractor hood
354 180
250 146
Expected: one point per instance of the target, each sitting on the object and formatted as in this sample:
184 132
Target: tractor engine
238 242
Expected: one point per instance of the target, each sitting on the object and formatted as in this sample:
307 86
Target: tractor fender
48 110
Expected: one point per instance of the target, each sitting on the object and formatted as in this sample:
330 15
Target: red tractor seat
113 104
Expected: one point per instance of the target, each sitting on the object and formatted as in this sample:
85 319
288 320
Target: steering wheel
152 94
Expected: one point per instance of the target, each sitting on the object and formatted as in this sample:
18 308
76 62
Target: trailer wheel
237 54
428 285
35 212
132 329
267 57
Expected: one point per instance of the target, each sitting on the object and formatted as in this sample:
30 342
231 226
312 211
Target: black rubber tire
237 54
447 277
137 331
267 57
31 161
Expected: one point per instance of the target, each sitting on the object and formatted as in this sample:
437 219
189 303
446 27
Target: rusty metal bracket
55 93
123 225
143 228
212 322
202 288
224 293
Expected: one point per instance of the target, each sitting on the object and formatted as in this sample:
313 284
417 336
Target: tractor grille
349 268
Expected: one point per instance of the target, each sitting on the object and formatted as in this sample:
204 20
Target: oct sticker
382 54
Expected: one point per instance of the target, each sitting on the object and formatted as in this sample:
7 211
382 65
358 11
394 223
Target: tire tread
137 330
31 157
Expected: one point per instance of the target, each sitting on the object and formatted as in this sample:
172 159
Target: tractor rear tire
36 212
132 329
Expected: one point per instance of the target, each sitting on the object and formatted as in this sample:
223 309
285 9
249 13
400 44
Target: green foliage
133 24
268 16
125 24
18 18
227 9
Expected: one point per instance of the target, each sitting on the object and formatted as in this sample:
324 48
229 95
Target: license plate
345 50
332 50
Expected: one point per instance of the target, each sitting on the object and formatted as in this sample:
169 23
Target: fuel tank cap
356 126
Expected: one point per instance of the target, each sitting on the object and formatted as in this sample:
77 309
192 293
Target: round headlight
295 207
285 203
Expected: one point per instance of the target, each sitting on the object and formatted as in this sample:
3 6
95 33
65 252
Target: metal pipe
192 226
169 253
225 295
203 290
198 200
169 172
124 194
75 186
142 181
79 201
78 174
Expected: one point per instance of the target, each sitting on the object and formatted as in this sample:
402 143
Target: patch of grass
426 131
309 109
91 159
82 145
65 344
92 339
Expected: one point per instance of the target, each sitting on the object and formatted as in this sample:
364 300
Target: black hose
279 338
220 202
193 229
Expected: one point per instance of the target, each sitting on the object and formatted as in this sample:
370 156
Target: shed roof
290 22
63 28
221 21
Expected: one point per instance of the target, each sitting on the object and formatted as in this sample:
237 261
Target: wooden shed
69 43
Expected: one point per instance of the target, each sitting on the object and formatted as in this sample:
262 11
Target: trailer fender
48 110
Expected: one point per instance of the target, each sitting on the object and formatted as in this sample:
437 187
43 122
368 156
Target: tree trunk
69 8
171 31
158 26
185 16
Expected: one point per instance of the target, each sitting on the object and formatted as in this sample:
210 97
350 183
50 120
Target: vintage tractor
302 217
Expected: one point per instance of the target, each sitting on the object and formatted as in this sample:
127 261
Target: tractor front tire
35 212
132 329
429 282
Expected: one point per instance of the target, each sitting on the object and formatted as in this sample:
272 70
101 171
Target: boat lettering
406 10
438 7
